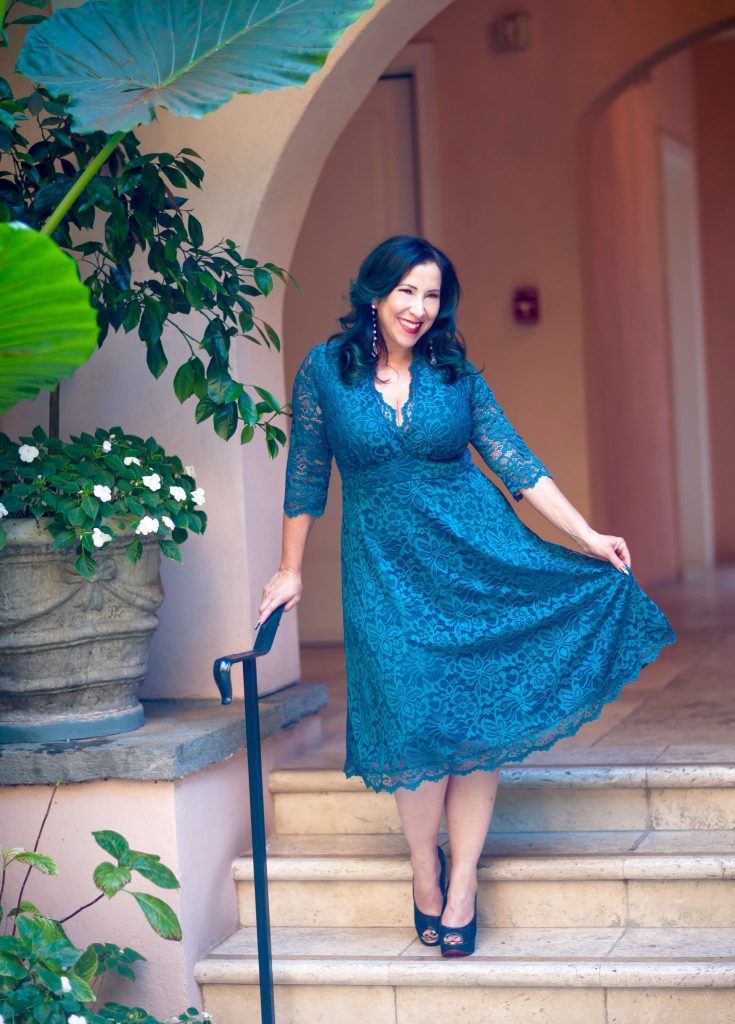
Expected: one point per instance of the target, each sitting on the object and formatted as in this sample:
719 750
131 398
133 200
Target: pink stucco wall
714 68
628 358
197 825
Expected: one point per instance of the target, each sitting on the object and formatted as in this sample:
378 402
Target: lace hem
389 782
532 481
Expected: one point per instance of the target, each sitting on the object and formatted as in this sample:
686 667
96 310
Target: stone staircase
607 896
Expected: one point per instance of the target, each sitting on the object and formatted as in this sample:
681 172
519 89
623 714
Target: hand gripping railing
222 669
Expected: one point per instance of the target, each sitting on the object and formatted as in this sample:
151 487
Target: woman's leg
420 811
469 801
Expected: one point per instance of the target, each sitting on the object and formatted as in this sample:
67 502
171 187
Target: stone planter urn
73 652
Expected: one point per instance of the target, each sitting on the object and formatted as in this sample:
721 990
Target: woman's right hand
284 585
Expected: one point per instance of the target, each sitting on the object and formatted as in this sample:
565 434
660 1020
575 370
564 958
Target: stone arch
627 76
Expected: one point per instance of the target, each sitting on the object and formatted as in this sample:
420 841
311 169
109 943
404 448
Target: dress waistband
404 469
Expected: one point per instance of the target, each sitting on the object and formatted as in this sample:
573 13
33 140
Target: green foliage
214 53
47 323
6 8
187 302
95 488
44 977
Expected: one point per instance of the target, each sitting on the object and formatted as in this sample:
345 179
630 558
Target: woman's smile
409 326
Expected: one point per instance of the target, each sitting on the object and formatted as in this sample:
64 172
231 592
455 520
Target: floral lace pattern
470 641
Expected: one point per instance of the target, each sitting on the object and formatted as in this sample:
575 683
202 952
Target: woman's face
406 313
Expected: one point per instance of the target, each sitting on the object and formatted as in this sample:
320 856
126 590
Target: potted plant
76 627
87 161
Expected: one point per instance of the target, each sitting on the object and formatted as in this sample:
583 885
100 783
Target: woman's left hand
609 548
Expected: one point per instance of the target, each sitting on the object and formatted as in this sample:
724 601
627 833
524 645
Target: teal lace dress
470 641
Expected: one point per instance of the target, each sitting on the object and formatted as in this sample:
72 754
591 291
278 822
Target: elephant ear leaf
48 326
119 60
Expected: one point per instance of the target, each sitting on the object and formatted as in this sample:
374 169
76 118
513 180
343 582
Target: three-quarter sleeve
309 454
499 444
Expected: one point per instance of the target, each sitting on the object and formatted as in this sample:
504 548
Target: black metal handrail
222 676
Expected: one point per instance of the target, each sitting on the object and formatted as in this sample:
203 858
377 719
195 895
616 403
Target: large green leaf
119 60
48 327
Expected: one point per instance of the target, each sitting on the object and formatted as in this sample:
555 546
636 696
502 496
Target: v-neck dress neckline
388 410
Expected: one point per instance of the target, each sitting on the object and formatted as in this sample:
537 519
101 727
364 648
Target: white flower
177 493
100 538
102 492
147 525
20 225
153 481
106 446
167 521
65 983
189 470
197 496
130 460
28 453
3 513
2 1019
76 1018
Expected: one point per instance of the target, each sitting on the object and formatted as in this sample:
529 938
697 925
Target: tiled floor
681 709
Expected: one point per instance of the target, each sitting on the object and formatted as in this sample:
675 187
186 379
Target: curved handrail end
223 678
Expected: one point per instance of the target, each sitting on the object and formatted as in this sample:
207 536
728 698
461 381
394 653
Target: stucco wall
196 825
714 69
628 359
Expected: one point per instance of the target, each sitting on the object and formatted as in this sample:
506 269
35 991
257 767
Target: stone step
530 799
547 879
517 975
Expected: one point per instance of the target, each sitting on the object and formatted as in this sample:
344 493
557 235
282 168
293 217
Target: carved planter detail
73 652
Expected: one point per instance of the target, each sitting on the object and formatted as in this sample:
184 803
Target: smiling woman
469 640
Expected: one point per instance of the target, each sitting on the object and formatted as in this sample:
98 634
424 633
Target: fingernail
256 624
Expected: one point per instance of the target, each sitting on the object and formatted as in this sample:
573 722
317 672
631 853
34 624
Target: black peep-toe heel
432 922
467 934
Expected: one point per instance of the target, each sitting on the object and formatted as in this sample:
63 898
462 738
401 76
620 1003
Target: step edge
437 973
699 776
591 867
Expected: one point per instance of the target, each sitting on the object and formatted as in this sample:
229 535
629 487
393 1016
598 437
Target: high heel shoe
432 922
467 935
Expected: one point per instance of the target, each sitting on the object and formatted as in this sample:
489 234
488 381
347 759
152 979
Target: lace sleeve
501 447
309 455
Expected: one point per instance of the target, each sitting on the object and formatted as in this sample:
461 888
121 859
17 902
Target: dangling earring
432 357
375 331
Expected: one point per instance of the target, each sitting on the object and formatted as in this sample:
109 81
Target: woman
470 641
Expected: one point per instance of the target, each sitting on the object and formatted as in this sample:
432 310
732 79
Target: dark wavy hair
380 272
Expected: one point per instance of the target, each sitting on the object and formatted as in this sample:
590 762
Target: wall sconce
511 33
